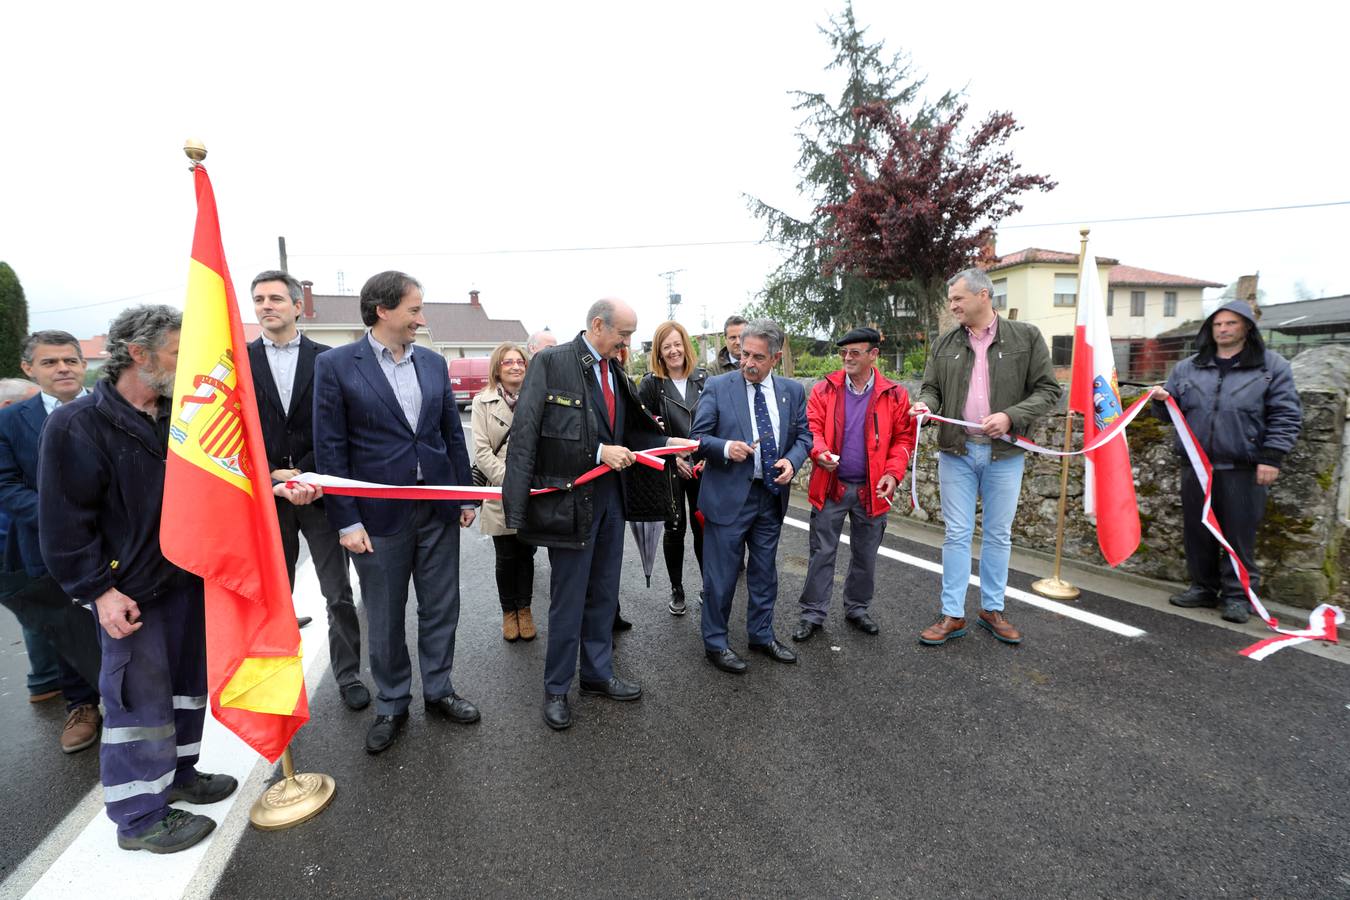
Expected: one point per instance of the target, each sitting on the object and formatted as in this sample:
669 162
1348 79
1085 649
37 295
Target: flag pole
297 797
1054 587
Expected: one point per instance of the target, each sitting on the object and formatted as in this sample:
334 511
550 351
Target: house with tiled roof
95 349
1041 286
453 330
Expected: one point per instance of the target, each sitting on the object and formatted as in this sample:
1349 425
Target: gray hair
976 280
51 338
602 309
767 329
147 326
536 340
292 286
12 390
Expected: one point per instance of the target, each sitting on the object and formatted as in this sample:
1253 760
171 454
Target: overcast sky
414 136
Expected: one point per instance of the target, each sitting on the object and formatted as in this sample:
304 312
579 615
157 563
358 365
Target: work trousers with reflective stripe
153 683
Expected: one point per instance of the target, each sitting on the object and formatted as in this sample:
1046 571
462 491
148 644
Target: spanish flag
219 519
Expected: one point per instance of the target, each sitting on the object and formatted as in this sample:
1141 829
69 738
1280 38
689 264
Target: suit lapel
304 372
422 360
34 414
370 370
741 403
257 358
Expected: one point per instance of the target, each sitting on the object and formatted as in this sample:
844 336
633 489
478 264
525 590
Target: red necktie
607 390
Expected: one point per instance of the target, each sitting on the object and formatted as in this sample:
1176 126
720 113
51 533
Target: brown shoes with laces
510 625
526 622
81 729
942 630
998 625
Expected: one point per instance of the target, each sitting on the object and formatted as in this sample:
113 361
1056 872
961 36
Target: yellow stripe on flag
265 685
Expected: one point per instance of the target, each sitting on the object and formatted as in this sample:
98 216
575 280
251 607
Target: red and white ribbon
350 487
1323 620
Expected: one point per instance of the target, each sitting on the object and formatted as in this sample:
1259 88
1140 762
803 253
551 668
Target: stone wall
1299 541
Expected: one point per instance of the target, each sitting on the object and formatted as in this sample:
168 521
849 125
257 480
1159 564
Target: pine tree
13 322
800 292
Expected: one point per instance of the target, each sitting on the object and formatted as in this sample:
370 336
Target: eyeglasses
513 364
853 354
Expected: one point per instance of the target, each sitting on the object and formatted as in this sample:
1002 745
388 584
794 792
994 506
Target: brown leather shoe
942 630
43 696
526 621
998 625
81 729
510 625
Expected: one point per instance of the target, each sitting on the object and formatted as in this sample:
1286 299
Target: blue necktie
768 447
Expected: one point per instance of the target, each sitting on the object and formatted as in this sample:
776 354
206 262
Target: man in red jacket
863 436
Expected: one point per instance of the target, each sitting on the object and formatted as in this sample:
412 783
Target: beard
158 379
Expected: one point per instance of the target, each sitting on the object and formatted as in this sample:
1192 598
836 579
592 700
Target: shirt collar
50 403
381 349
589 346
871 380
292 343
987 331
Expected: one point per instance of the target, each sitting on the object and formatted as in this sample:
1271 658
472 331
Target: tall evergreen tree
800 291
13 322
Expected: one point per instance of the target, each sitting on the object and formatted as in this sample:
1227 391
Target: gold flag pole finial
195 150
1054 587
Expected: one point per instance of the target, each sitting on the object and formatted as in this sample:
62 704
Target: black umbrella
648 538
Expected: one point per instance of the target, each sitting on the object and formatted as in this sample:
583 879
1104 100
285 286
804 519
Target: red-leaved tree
922 203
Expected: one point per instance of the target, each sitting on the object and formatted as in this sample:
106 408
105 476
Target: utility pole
281 249
672 298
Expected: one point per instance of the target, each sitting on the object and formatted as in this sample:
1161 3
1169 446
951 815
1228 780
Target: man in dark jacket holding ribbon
578 409
1242 407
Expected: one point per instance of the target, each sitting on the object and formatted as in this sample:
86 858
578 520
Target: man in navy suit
384 412
282 360
752 430
53 359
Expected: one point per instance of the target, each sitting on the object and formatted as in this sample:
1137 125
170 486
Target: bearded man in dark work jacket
578 409
1240 401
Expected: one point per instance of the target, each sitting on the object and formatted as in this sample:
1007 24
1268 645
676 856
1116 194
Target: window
1066 290
1136 303
1001 294
1061 350
1012 313
1170 304
1110 303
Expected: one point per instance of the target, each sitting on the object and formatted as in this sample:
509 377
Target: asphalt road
1080 764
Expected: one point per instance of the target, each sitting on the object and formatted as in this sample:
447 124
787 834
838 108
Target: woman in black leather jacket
669 391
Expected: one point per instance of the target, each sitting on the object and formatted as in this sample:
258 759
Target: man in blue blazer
53 359
384 412
752 430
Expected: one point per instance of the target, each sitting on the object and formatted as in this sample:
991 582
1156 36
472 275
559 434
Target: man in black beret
863 435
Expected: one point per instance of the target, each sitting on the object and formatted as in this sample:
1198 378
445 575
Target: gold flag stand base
294 799
1055 588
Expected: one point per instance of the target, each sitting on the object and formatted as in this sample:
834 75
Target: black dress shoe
614 689
383 732
622 624
864 624
727 661
302 621
804 631
557 714
355 695
775 651
455 708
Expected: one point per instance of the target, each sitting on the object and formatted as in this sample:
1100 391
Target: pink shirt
977 397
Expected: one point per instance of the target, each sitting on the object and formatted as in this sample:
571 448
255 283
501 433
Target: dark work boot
1235 610
1193 597
178 830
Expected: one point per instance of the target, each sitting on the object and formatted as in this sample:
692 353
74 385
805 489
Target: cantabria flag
1108 483
219 519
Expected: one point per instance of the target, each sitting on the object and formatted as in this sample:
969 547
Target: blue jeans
962 480
44 666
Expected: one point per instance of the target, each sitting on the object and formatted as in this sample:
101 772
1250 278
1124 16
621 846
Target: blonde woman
493 409
670 390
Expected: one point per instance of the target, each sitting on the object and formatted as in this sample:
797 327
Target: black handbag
480 478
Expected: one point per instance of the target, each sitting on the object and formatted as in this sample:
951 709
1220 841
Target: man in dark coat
578 409
1241 404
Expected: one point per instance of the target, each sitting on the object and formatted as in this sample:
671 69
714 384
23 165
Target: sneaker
178 830
81 731
204 789
677 605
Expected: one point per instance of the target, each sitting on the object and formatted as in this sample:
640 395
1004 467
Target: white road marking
1054 606
81 854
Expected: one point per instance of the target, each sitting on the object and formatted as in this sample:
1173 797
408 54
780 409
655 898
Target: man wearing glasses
862 436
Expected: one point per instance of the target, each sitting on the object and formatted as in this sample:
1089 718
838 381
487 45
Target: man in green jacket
995 372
